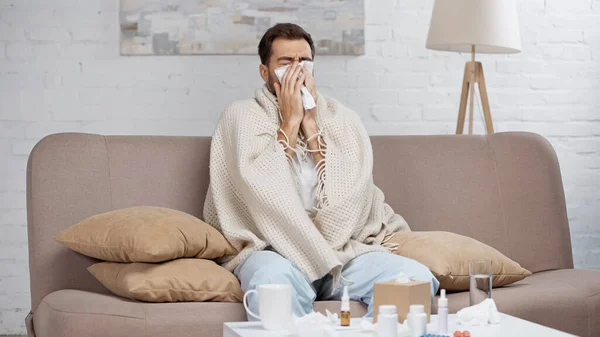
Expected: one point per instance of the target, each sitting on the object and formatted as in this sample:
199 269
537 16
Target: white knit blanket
254 201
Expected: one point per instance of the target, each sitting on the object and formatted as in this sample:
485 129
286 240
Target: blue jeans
268 267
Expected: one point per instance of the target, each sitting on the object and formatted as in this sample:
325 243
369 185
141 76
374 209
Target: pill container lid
417 308
387 309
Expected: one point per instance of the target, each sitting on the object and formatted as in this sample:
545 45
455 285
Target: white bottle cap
345 300
443 300
387 309
417 309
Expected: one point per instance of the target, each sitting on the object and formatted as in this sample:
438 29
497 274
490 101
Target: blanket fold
253 198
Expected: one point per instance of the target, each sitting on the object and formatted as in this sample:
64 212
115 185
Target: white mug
274 305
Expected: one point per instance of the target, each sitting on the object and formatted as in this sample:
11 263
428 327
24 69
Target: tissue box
402 295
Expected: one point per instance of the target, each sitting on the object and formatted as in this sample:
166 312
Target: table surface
508 326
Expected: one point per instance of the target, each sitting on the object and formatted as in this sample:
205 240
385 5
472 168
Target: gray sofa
503 189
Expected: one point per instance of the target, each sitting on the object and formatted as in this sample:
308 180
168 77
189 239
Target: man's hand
288 95
309 82
290 104
309 124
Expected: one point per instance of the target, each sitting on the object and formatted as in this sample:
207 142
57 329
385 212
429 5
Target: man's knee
411 268
421 272
278 271
267 267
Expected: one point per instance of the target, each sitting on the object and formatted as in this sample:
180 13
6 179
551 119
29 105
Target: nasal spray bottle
443 313
345 310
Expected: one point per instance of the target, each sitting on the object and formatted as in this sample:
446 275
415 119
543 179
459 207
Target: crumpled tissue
402 278
367 326
483 313
315 324
307 100
332 317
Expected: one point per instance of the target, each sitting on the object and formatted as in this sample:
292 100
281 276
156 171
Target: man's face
284 52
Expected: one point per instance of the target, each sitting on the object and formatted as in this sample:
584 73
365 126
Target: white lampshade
491 25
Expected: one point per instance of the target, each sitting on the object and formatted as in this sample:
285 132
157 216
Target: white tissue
366 326
314 325
307 100
483 313
332 317
402 278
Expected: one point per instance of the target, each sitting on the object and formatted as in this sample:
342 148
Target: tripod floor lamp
474 26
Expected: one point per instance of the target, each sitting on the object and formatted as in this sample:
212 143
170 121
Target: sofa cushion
447 255
181 280
145 234
72 313
76 313
566 300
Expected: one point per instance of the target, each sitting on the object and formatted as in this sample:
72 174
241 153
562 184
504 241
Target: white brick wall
60 70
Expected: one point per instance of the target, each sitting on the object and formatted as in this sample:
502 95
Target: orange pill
458 334
466 334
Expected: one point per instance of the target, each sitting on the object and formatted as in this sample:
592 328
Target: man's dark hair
288 31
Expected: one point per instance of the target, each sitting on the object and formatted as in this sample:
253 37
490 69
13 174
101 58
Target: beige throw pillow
447 255
182 280
145 234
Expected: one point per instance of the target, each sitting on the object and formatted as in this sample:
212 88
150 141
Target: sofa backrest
502 189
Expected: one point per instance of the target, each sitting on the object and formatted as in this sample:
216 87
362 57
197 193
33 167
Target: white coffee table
509 327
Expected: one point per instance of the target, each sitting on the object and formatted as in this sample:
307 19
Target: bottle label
345 318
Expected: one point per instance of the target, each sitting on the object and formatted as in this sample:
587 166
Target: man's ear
264 72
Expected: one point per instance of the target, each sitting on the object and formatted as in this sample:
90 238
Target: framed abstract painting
188 27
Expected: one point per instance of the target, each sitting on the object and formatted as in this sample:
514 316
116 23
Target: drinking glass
480 280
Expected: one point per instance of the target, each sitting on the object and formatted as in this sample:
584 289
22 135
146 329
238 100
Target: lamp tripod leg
473 75
485 102
462 110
